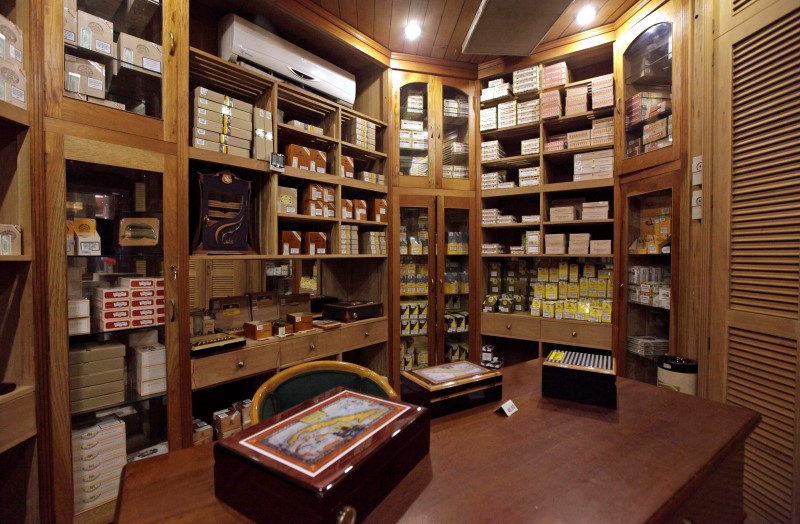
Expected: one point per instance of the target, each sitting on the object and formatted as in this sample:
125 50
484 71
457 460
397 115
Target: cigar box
290 242
313 208
378 210
314 192
258 329
352 310
95 33
315 243
348 167
281 329
287 200
580 375
298 156
87 240
264 477
318 161
264 306
71 22
219 98
138 52
230 313
347 209
360 209
300 321
293 303
243 118
451 386
10 239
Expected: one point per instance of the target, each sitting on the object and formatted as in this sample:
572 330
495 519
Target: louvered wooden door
756 245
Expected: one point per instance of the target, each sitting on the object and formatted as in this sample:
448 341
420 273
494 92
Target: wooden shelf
564 153
360 152
515 225
512 161
255 256
293 217
223 159
512 192
214 73
364 223
317 141
17 416
310 176
578 222
542 255
15 115
360 184
568 122
519 131
581 185
101 514
16 258
349 114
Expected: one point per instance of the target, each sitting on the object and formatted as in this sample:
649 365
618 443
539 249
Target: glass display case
116 316
455 289
114 54
647 69
455 134
650 269
417 304
413 135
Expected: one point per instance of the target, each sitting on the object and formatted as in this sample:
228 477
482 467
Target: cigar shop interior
399 261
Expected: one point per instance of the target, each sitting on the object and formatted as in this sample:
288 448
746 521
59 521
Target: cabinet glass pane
117 365
113 54
414 130
456 285
415 298
647 70
649 266
455 133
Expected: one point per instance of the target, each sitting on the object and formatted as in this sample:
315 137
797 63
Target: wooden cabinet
648 65
547 201
647 272
434 142
435 264
130 83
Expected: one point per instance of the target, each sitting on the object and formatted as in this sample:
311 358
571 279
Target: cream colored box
79 326
71 22
11 37
78 308
10 240
84 76
13 84
139 52
95 33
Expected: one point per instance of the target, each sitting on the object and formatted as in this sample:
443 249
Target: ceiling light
413 30
585 15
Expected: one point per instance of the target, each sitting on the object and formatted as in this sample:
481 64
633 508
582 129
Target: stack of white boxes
603 131
489 216
594 210
577 100
456 107
79 316
98 456
372 178
528 112
492 150
551 104
526 80
453 159
576 139
530 146
564 213
497 88
531 242
555 244
529 176
493 180
600 247
373 243
594 165
133 303
222 123
555 75
415 103
147 363
414 165
263 143
602 91
507 114
579 243
555 143
13 79
488 119
96 371
348 239
360 132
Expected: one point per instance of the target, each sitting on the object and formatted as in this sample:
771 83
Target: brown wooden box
355 471
352 310
452 386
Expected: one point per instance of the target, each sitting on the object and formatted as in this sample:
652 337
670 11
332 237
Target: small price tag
508 408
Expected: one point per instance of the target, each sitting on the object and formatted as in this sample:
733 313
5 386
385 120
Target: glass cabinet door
454 293
414 139
417 291
453 135
650 263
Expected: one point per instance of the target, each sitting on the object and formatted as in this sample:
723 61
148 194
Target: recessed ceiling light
413 30
586 15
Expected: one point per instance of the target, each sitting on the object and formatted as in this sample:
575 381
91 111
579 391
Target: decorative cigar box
452 386
231 313
332 457
352 310
224 214
586 376
143 231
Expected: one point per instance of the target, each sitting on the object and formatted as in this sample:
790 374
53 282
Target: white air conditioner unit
239 38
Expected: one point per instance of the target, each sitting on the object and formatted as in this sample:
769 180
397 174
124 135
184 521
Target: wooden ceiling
445 23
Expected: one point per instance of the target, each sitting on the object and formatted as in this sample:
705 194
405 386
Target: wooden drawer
577 333
357 335
234 365
520 326
302 347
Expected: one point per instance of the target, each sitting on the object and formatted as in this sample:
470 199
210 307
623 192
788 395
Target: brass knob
240 364
346 515
312 347
574 333
508 326
366 334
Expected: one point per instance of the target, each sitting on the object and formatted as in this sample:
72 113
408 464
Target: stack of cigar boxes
97 375
98 456
147 363
12 73
223 124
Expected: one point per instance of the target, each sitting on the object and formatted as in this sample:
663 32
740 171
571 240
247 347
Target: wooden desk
661 456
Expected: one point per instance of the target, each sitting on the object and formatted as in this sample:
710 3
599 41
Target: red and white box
111 314
144 302
111 293
138 283
143 312
143 322
105 305
110 325
144 293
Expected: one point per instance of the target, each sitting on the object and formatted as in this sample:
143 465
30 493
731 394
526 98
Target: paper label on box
18 93
103 47
152 65
94 83
69 36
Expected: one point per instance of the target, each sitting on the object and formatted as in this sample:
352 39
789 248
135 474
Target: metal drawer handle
240 364
171 43
574 333
366 334
312 347
508 326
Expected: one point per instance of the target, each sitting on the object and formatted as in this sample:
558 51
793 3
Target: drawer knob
574 333
508 326
312 347
346 515
366 334
240 364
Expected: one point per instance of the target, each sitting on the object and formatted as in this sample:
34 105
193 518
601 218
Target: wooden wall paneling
731 13
756 250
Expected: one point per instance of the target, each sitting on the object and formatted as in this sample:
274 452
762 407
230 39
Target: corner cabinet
434 142
113 266
648 66
436 269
